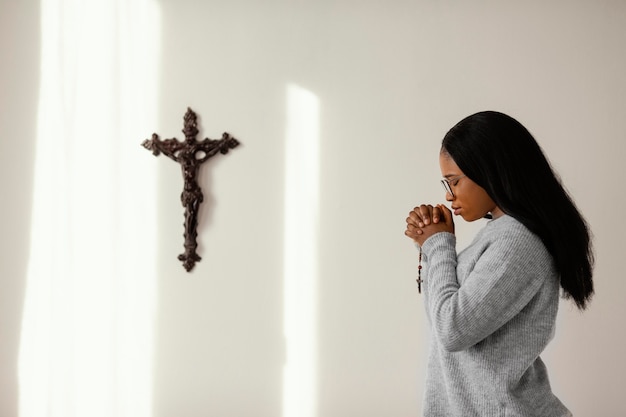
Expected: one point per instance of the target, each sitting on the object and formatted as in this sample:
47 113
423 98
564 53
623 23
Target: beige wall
389 78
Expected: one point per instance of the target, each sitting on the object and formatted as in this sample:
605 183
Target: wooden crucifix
190 154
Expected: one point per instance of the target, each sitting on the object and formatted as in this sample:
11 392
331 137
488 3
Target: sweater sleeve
505 277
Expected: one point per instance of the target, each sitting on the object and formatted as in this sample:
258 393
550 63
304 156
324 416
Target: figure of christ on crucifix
190 154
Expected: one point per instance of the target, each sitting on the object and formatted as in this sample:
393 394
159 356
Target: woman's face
469 200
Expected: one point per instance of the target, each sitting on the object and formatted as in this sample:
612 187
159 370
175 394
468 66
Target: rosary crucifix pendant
190 154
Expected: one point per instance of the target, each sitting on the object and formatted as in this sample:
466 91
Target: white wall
390 78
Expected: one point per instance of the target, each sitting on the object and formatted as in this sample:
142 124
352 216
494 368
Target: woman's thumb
447 214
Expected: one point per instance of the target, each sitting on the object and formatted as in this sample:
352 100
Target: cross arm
168 147
211 147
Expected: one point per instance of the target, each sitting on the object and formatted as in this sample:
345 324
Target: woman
492 307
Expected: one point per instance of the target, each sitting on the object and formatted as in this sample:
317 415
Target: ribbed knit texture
492 311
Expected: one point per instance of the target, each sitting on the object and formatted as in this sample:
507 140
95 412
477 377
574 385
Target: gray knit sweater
492 311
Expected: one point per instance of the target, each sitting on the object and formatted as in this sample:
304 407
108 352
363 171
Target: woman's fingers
421 216
428 214
426 220
412 229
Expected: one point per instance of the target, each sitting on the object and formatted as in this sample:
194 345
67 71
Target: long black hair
499 154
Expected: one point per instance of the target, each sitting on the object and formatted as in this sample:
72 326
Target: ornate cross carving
190 154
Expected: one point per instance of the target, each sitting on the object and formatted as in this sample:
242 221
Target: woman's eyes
455 182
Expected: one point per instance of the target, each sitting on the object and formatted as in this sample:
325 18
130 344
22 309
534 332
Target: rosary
419 273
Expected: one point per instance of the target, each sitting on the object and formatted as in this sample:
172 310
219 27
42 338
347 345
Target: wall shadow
19 83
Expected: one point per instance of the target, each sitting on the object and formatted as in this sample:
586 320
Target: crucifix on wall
190 154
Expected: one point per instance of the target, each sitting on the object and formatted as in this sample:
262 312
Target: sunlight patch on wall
300 252
87 332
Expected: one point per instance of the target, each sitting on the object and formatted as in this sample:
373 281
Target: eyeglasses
449 182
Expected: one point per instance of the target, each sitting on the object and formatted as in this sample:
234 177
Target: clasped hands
426 220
